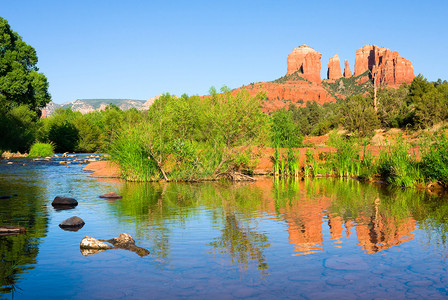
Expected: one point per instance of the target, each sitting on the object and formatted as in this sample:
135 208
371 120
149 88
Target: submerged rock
111 195
89 242
64 201
74 223
5 197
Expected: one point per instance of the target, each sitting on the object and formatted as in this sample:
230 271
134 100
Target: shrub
41 149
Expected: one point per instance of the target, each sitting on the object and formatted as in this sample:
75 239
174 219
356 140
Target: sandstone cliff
347 72
334 68
390 68
306 61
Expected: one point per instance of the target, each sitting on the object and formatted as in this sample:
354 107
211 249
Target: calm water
270 239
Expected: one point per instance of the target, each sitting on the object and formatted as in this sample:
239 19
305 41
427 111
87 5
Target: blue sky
138 49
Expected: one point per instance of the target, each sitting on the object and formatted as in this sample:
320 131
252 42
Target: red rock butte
305 60
302 82
392 69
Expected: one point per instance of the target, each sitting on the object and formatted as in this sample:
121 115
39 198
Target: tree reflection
242 243
18 252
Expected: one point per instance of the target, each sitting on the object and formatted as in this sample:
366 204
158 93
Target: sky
138 49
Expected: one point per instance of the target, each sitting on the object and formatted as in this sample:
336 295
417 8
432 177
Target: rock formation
388 67
347 72
334 68
302 81
305 60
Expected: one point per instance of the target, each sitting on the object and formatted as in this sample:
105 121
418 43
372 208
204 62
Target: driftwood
11 230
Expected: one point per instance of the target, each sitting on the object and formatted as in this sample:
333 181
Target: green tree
284 129
20 82
358 115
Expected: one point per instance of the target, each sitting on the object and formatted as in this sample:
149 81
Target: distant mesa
89 105
302 82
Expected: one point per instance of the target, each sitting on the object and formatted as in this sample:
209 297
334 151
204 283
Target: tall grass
398 166
129 151
41 149
434 162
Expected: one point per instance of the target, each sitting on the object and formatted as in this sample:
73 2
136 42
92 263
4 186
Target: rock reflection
376 218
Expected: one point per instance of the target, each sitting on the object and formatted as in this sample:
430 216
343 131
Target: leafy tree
284 130
20 82
18 128
358 115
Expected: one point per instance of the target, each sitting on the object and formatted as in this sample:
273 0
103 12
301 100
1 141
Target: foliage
348 86
18 128
189 138
291 77
41 149
398 166
284 129
358 115
20 82
434 163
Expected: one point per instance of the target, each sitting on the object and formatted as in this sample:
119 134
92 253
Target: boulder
125 241
306 60
334 68
72 222
89 242
64 201
347 72
111 195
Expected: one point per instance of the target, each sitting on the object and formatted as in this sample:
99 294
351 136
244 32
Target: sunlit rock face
347 72
306 60
334 68
391 69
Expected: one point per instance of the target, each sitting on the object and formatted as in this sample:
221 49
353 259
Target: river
271 239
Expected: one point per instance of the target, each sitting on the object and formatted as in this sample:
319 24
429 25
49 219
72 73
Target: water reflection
28 209
377 217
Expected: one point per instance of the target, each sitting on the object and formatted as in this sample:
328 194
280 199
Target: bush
41 149
435 161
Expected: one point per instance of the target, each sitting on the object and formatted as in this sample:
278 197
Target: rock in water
89 242
64 201
111 195
73 222
122 239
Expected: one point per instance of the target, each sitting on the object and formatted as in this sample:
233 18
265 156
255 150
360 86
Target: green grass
41 150
400 167
128 150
